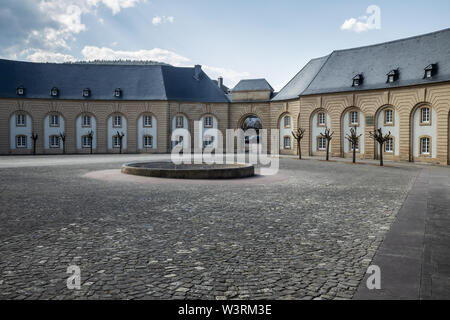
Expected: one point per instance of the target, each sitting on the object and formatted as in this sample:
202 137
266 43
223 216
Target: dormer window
54 92
392 76
118 93
20 91
86 92
430 71
357 80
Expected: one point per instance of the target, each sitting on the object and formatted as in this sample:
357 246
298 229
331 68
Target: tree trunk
299 151
91 144
354 153
328 150
34 147
381 155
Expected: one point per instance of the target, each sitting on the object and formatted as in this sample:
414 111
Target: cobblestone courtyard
310 232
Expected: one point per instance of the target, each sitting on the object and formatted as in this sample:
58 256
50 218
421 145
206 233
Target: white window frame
54 120
116 142
389 119
21 141
321 119
426 114
179 121
22 123
356 113
287 146
320 141
148 123
88 140
117 121
88 122
427 146
287 121
148 145
51 141
208 122
389 145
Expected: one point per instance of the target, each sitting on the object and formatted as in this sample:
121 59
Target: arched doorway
248 124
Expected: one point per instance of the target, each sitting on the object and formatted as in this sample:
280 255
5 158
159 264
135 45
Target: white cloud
47 56
364 23
156 54
231 77
158 20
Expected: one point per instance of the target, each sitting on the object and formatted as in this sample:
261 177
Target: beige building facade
334 92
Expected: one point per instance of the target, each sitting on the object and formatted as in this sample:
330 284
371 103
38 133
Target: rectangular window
389 145
86 121
180 122
20 120
147 121
86 142
116 142
148 142
321 144
425 146
425 115
354 145
21 141
321 119
208 122
287 122
354 117
54 120
117 121
54 141
287 142
388 116
208 140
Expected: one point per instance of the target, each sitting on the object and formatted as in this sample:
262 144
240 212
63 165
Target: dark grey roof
410 56
253 85
224 88
138 82
301 80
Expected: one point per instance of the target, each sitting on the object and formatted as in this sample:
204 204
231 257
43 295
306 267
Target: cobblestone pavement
311 235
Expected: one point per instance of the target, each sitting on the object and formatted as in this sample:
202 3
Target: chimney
220 82
197 71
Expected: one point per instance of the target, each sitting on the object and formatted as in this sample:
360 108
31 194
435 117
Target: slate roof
410 56
137 82
253 85
301 81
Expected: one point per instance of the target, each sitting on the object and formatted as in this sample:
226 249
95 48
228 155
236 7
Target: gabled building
401 86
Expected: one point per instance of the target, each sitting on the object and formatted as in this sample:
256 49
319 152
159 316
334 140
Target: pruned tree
120 136
91 139
62 136
299 136
34 136
328 135
353 138
381 139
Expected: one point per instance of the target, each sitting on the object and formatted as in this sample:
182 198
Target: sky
235 39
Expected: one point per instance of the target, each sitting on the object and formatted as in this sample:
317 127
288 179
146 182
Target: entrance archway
252 122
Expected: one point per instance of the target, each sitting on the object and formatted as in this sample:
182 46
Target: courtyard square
309 232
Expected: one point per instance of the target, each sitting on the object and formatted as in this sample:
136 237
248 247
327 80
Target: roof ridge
394 41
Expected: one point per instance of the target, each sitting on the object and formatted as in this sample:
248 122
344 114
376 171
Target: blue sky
235 39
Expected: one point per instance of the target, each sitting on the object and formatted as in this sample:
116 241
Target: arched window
321 119
147 119
86 121
389 117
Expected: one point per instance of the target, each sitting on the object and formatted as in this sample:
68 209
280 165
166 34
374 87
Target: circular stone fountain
189 171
